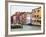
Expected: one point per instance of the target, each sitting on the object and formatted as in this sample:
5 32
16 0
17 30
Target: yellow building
36 16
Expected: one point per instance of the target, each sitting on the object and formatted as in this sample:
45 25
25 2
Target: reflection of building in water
36 16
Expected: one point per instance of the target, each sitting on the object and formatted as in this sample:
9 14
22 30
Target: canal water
27 28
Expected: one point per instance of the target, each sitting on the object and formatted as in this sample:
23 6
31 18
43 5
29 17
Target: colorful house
36 16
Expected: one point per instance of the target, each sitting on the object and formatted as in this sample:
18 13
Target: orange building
36 16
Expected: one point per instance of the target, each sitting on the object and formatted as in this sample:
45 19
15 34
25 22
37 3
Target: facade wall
36 16
28 18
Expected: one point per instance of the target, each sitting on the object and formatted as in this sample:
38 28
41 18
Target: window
34 15
37 15
34 20
38 11
39 21
34 11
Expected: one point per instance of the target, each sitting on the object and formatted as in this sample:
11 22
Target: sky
22 7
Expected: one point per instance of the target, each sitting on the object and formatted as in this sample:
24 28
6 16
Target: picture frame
19 33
